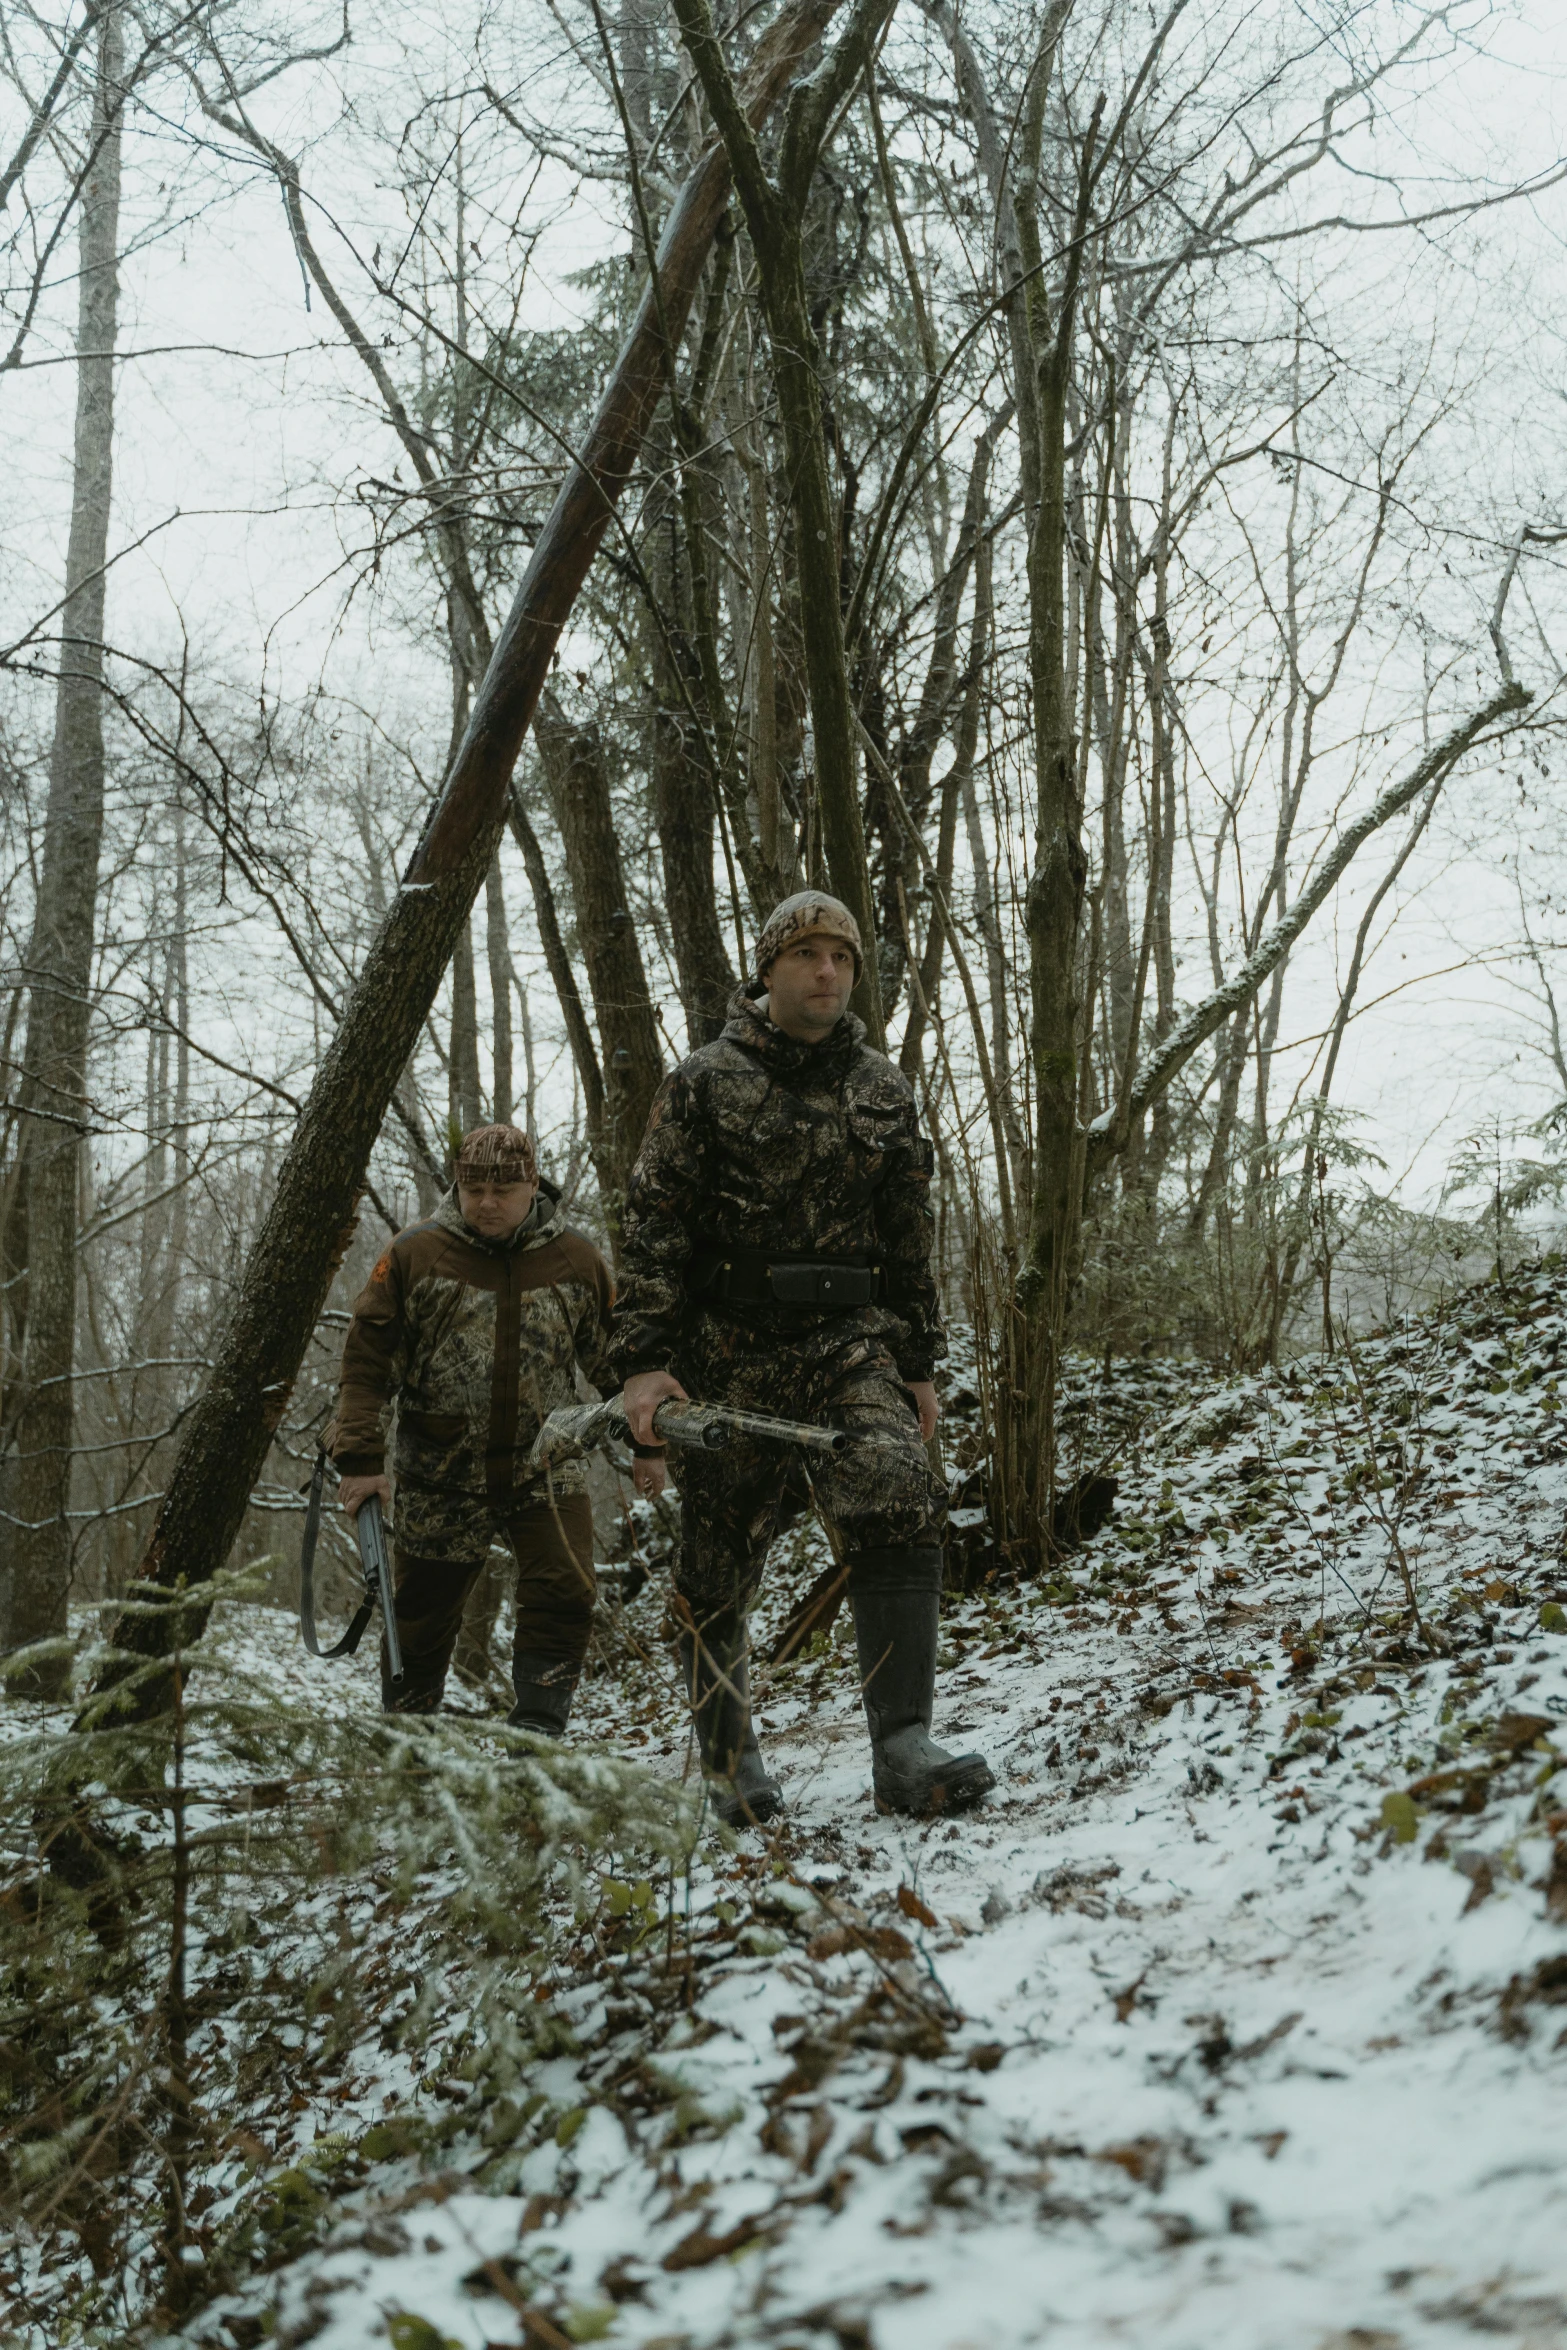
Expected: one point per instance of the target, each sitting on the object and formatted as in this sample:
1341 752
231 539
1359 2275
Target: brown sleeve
374 1358
592 1328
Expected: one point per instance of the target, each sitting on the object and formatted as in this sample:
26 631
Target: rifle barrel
370 1527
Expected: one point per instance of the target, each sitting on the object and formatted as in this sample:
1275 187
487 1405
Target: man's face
809 985
495 1209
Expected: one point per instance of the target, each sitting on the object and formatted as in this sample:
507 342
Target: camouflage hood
784 1056
542 1222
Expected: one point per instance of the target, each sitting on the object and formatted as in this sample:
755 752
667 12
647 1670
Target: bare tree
39 1257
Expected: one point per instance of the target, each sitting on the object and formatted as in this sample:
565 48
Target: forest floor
1237 2016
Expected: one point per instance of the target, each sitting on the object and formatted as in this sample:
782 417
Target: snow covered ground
1236 2017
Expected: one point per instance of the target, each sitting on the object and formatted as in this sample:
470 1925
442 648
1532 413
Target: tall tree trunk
684 810
684 813
309 1222
498 954
55 1053
1054 899
462 1073
628 1032
775 218
530 1079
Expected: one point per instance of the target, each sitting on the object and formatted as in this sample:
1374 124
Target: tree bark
310 1219
775 219
1053 906
463 1112
684 813
498 955
684 809
607 936
59 1003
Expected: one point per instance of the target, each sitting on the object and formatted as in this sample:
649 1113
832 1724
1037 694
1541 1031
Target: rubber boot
896 1597
545 1687
718 1677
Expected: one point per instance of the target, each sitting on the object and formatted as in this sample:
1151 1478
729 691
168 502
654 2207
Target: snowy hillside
1236 2017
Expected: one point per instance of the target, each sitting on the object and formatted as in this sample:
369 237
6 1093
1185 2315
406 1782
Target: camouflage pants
552 1542
879 1494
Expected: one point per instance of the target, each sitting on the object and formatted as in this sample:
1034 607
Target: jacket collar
784 1056
543 1222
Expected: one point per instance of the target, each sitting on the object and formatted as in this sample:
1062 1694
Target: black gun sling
307 1580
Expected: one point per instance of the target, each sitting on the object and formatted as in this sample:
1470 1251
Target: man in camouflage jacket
469 1327
777 1255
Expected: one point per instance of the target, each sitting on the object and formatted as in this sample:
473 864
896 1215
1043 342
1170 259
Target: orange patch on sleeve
383 1267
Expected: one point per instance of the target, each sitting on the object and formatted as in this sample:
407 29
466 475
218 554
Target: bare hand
924 1394
649 1478
642 1396
354 1492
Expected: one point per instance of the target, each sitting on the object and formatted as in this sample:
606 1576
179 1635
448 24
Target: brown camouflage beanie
497 1154
809 911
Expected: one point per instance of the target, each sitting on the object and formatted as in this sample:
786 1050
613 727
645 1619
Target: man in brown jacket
469 1327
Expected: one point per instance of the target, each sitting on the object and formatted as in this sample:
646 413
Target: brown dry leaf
888 1943
1454 1790
1270 2141
912 1906
700 2249
1142 2159
830 1943
1514 1732
1126 2000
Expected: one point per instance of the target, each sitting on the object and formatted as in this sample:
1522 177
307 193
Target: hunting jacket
758 1142
474 1340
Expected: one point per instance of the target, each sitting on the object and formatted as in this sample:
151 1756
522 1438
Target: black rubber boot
545 1688
718 1677
896 1597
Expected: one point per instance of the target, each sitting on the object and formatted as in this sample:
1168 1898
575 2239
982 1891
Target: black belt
755 1277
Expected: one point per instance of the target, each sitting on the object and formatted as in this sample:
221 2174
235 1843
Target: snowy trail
1236 2017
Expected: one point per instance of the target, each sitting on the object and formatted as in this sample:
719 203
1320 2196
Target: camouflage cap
497 1154
809 911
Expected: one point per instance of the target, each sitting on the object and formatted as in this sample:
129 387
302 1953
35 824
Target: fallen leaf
1455 1790
1142 2159
912 1906
830 1944
1126 2000
1514 1732
700 2249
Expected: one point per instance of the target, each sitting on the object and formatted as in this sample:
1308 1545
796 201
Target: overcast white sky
232 459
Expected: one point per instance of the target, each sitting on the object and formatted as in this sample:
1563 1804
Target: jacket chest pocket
872 1133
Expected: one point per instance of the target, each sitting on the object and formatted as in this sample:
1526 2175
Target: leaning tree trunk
310 1221
55 1054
